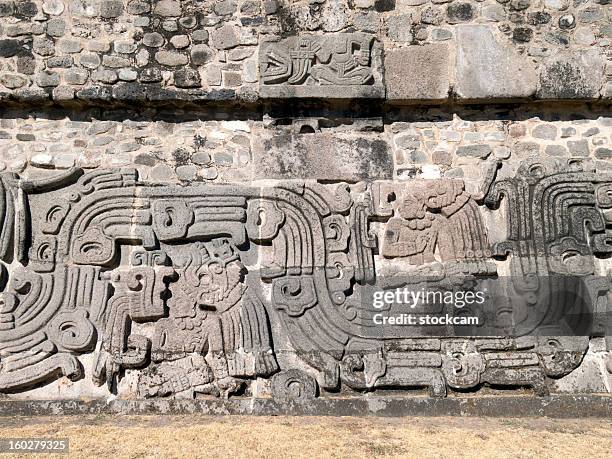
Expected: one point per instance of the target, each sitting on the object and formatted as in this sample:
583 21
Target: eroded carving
339 66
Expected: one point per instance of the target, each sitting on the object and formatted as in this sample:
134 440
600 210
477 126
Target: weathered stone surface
124 46
400 28
7 8
494 12
418 73
127 74
53 7
116 62
545 131
458 12
603 153
111 8
201 54
138 7
69 46
90 60
9 47
187 78
561 406
154 40
168 8
61 94
578 147
556 150
47 79
567 21
323 157
441 34
76 76
224 37
225 243
171 58
60 62
200 36
571 76
13 81
522 35
180 41
56 27
150 75
105 76
477 151
484 64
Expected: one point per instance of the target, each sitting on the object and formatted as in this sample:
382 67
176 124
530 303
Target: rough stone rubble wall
205 50
168 150
176 97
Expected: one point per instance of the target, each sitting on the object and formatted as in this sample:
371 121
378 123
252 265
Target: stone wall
198 198
139 50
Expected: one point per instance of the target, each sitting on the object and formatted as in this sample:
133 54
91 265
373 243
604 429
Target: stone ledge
555 406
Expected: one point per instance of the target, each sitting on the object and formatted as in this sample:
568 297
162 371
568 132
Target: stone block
476 151
9 47
201 54
225 37
111 9
545 131
56 27
187 78
572 75
322 156
153 39
168 8
7 8
418 73
171 58
53 7
578 147
47 79
459 12
400 28
488 68
13 80
339 66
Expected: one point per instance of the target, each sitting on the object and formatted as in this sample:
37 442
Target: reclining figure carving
308 65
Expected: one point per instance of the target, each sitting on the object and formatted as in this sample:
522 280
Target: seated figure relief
437 216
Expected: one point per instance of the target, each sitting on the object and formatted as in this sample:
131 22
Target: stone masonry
199 198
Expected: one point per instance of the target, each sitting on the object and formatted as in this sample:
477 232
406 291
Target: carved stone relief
345 65
223 274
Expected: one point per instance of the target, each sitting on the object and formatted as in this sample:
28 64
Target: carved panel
194 287
345 65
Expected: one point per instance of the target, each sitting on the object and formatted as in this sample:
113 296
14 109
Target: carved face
412 207
442 193
362 57
216 279
208 273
